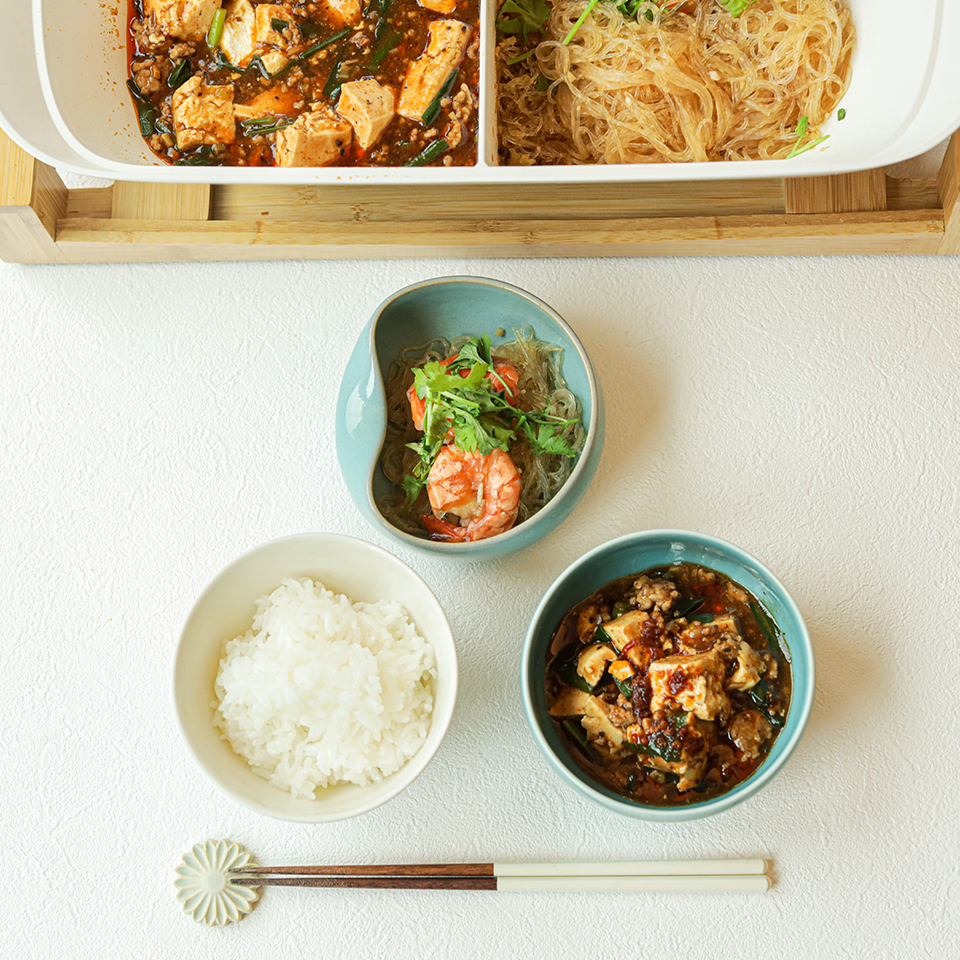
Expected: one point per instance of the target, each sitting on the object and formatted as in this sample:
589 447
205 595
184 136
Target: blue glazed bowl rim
797 718
542 517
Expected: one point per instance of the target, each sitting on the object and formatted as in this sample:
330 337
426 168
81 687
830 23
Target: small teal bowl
632 554
452 307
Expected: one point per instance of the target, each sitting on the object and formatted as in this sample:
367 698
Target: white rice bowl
322 690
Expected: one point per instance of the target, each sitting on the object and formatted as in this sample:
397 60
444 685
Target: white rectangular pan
904 98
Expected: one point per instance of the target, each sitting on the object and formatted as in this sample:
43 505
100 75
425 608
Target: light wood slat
862 191
948 188
32 200
912 194
90 202
161 201
886 232
356 202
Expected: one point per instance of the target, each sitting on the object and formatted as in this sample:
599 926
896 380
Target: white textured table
159 420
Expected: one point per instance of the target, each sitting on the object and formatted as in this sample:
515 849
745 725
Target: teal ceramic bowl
451 307
632 554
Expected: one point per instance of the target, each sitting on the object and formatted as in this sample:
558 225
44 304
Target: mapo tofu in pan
293 84
670 686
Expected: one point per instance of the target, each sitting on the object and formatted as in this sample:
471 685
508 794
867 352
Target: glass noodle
694 84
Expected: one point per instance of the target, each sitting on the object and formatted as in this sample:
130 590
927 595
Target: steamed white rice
324 690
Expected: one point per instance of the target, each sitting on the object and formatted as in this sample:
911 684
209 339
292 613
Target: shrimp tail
443 530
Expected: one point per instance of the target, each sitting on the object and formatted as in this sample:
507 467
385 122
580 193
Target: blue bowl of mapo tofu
667 675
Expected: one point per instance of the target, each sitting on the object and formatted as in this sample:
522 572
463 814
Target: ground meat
147 36
749 731
654 594
181 51
151 75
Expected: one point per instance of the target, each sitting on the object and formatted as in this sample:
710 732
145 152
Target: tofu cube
627 629
237 42
439 6
427 75
691 683
345 12
368 108
203 114
263 31
184 19
314 140
593 661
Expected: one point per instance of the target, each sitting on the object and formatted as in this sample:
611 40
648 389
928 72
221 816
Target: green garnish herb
331 88
384 45
801 147
522 56
459 397
309 30
430 114
841 113
543 83
215 34
182 72
202 158
583 16
146 115
279 25
530 17
736 7
422 159
268 124
333 38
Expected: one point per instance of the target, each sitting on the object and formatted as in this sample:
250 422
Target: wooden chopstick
646 876
626 868
371 870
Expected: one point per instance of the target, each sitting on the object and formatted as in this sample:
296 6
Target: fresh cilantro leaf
736 7
530 17
548 439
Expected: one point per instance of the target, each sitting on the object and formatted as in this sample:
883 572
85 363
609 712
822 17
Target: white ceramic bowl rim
583 458
752 784
439 724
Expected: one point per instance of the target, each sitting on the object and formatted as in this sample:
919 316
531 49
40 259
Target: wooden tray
41 221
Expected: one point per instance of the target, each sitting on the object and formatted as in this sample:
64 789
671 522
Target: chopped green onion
841 113
430 153
262 125
146 115
576 732
202 158
332 87
797 150
430 114
583 16
384 45
801 133
181 74
215 34
522 56
333 38
279 25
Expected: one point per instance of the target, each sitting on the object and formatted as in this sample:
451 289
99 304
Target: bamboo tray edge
866 212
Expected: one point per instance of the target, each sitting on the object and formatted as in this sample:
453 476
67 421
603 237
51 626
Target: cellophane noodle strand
688 86
541 387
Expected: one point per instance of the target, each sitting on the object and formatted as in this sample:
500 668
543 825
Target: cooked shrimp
483 491
505 380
